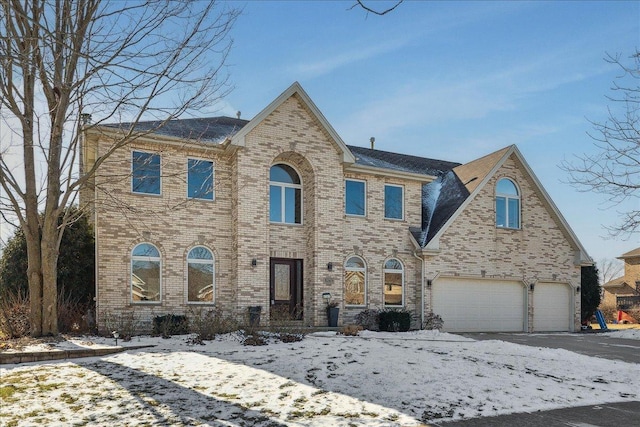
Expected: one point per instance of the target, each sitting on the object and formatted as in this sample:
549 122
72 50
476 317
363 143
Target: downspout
421 288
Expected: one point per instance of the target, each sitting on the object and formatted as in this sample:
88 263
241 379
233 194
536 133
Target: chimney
373 141
238 114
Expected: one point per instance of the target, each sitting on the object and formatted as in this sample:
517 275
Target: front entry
286 289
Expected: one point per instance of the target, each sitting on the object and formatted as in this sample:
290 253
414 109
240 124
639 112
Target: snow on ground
630 334
376 379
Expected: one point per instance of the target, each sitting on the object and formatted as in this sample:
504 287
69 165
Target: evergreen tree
76 264
589 291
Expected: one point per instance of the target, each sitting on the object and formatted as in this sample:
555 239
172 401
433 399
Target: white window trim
213 179
145 258
507 197
131 171
365 198
200 261
364 270
283 203
390 270
385 202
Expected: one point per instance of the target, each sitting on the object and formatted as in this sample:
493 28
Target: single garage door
479 305
551 307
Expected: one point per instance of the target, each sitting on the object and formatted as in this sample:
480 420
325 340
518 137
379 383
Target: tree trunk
34 276
49 254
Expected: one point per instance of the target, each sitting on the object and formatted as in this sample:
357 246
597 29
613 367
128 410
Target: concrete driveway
590 344
625 414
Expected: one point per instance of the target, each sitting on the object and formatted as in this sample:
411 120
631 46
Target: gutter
421 288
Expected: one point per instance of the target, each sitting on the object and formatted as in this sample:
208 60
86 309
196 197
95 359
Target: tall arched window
393 283
355 289
285 195
507 204
145 273
200 275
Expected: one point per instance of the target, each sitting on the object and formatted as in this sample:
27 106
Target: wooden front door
286 289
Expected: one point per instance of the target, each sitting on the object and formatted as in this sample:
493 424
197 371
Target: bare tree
610 269
376 11
118 61
615 169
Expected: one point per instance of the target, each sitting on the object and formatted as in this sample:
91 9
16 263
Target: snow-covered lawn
376 379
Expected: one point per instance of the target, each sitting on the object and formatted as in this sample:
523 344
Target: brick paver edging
39 356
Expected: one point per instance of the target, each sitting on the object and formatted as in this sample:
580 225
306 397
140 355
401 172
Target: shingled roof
400 162
207 129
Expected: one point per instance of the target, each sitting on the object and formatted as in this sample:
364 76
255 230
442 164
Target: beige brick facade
235 226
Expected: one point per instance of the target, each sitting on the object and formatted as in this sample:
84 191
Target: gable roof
472 174
631 254
294 90
482 170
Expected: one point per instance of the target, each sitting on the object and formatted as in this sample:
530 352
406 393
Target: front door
286 289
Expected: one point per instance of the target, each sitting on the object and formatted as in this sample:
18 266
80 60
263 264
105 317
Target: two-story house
279 212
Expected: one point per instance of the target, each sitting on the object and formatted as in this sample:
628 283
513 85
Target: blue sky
449 80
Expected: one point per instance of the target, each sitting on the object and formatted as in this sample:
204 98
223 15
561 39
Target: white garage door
479 305
551 311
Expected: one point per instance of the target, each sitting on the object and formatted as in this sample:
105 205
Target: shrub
368 319
394 320
610 312
170 324
74 315
350 330
634 312
432 321
14 316
206 324
126 324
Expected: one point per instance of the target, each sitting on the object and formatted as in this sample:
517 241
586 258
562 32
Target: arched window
507 204
200 275
393 283
285 195
355 289
145 273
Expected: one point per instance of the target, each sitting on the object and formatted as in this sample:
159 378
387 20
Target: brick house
279 212
627 285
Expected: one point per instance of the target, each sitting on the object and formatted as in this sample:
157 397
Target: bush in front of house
206 324
432 321
369 319
170 324
394 320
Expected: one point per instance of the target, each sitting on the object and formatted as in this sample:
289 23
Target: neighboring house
627 285
278 210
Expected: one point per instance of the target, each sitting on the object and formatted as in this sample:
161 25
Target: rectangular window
393 202
275 196
393 288
501 211
145 173
145 280
355 198
514 213
200 179
354 287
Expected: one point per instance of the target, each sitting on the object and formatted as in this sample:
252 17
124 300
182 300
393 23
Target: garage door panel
468 305
551 307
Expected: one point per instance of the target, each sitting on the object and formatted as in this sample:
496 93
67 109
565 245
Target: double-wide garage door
479 305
